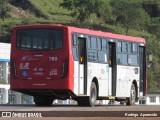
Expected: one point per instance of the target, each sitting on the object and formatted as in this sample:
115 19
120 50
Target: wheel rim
133 94
93 95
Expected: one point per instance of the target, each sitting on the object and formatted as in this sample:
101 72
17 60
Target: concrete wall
153 99
5 52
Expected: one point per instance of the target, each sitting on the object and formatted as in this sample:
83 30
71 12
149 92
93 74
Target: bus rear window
39 39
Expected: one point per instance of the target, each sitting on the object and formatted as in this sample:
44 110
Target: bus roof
89 32
107 34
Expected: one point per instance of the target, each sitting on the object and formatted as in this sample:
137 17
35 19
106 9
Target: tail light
64 69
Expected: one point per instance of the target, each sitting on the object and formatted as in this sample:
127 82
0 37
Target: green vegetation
132 17
82 10
4 9
51 10
130 14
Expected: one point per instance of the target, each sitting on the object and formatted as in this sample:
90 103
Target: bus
53 61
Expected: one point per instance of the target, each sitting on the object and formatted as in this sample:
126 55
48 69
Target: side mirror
150 58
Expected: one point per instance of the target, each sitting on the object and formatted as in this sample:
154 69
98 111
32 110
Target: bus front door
142 58
112 69
82 67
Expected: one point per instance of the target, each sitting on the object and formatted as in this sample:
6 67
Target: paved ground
72 112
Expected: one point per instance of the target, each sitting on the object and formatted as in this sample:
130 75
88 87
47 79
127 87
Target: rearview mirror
150 58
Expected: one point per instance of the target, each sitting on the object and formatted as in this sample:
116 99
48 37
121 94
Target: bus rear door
82 66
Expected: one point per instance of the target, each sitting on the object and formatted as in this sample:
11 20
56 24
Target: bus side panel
75 77
95 70
79 80
101 73
125 77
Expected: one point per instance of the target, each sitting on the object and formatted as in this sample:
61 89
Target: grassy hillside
51 9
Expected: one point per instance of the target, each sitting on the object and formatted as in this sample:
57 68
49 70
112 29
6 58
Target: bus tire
131 100
43 101
91 100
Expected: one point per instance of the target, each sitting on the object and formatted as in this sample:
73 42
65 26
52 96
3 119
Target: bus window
46 44
28 44
104 44
74 40
23 42
122 59
89 42
99 44
102 56
35 42
129 48
124 47
134 48
119 46
133 54
74 47
40 43
93 43
36 39
133 59
122 53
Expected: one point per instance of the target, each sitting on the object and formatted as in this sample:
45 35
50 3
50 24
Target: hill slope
47 9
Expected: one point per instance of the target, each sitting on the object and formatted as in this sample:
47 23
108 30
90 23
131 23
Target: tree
4 9
82 9
129 13
103 9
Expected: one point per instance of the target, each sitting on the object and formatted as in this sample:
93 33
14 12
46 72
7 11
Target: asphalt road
70 112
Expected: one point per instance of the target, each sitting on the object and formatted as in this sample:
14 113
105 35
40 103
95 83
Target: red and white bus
62 62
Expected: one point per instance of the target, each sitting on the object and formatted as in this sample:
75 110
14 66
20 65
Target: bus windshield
39 39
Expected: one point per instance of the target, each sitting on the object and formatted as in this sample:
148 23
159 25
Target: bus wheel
43 101
91 100
131 100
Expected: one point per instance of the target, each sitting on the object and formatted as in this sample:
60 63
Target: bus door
82 66
112 69
142 59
